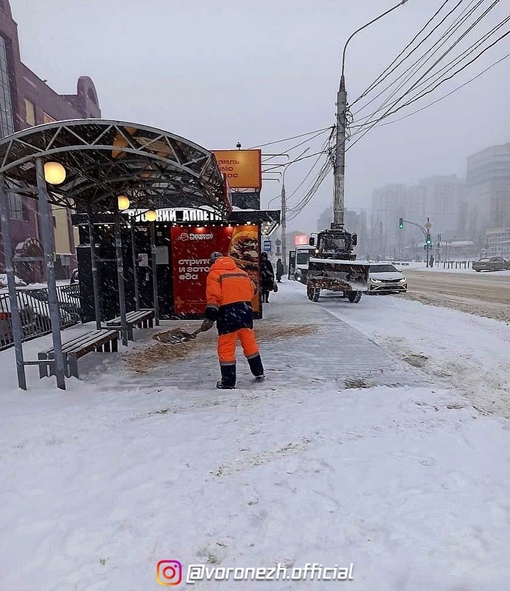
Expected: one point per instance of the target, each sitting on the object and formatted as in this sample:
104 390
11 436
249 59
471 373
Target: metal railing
35 312
454 264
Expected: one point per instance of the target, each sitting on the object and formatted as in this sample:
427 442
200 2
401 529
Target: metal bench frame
143 318
98 340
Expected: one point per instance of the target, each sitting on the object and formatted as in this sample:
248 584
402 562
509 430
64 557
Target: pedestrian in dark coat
266 276
279 270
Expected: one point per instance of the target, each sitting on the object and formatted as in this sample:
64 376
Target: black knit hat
213 256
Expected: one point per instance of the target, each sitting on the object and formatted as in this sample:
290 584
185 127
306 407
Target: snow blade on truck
337 275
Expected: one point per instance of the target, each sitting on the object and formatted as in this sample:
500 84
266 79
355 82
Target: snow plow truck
332 266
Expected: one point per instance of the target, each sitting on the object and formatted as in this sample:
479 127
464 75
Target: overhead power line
435 79
322 175
267 160
288 139
415 67
446 95
325 149
425 92
422 80
389 69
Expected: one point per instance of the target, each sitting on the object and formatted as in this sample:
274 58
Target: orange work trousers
227 345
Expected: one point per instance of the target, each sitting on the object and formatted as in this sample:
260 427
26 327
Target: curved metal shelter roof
104 159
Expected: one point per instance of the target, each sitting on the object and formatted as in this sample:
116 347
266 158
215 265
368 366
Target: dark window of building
6 116
30 109
16 211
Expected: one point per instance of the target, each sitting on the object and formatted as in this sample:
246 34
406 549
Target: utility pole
341 121
283 205
339 161
284 227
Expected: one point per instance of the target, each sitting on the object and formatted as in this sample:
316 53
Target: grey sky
253 72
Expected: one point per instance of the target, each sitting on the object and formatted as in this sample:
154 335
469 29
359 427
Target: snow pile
409 484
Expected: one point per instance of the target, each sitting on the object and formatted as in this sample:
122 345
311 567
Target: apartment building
27 100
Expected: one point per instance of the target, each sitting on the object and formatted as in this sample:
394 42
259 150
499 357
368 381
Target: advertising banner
191 248
243 168
300 239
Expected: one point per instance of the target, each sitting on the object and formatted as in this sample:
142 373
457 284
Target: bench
141 318
98 340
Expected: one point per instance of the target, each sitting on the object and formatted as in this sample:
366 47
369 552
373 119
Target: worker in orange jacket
229 293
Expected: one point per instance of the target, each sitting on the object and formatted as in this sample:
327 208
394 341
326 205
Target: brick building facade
26 100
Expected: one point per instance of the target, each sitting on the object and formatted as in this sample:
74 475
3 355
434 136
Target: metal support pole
283 198
46 226
339 161
135 268
95 274
341 120
17 327
155 297
120 280
284 228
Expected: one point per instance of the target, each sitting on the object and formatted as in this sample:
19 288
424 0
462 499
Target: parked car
3 280
5 328
68 297
35 317
386 278
491 264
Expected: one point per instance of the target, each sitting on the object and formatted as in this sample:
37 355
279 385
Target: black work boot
256 367
228 377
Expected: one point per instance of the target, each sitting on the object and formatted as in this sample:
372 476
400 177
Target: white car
3 280
385 278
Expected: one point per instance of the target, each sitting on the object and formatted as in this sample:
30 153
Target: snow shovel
177 335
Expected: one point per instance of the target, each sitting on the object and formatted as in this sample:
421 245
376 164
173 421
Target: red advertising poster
191 248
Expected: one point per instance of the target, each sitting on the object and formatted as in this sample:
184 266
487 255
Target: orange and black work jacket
229 293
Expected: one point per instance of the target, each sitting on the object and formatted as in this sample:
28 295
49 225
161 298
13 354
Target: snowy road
461 351
484 294
408 483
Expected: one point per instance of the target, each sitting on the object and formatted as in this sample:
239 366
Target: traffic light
401 223
428 240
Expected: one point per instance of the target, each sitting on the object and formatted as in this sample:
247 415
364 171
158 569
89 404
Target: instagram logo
169 572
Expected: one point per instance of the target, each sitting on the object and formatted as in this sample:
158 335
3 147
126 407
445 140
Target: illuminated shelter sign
177 215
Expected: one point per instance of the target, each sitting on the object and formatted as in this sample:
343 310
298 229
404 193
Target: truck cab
334 244
303 254
332 268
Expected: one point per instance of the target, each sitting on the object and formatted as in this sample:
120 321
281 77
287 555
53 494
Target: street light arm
297 159
417 225
342 81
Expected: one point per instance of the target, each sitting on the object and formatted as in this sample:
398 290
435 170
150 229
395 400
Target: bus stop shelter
97 166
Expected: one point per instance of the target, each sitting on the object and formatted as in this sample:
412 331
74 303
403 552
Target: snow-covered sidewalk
409 484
